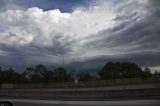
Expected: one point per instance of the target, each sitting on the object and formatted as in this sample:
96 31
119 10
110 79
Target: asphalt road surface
28 102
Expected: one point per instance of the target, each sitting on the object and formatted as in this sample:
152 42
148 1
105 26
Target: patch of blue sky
62 5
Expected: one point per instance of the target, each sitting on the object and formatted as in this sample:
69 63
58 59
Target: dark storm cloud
134 34
95 64
135 37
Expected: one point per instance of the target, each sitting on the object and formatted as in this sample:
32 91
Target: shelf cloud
118 30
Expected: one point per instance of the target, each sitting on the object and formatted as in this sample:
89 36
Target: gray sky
89 33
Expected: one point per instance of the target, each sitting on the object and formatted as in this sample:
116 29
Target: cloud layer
117 30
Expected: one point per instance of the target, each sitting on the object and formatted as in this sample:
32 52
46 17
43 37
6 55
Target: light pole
62 64
62 58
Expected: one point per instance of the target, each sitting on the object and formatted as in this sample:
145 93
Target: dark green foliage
156 74
40 74
61 75
146 73
10 76
85 77
118 70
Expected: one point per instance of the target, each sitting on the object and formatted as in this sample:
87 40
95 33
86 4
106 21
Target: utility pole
62 58
62 64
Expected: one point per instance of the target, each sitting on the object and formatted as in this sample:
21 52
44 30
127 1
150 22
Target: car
6 103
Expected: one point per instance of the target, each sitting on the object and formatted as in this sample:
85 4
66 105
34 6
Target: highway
29 102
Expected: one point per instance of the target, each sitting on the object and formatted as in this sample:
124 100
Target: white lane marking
129 102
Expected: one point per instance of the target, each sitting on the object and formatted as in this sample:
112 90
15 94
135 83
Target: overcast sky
88 33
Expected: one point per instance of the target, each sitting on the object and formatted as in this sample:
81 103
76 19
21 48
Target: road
28 102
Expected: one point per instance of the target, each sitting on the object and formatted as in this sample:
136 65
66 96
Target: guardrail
97 83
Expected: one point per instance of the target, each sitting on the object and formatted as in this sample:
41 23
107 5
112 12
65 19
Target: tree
61 75
36 74
11 76
85 77
28 73
146 73
48 76
41 74
40 70
118 70
156 74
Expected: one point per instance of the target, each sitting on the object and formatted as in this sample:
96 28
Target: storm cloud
118 30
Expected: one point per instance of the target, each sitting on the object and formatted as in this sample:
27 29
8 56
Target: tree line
41 74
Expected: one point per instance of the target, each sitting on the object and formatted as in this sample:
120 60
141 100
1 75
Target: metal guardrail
94 83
